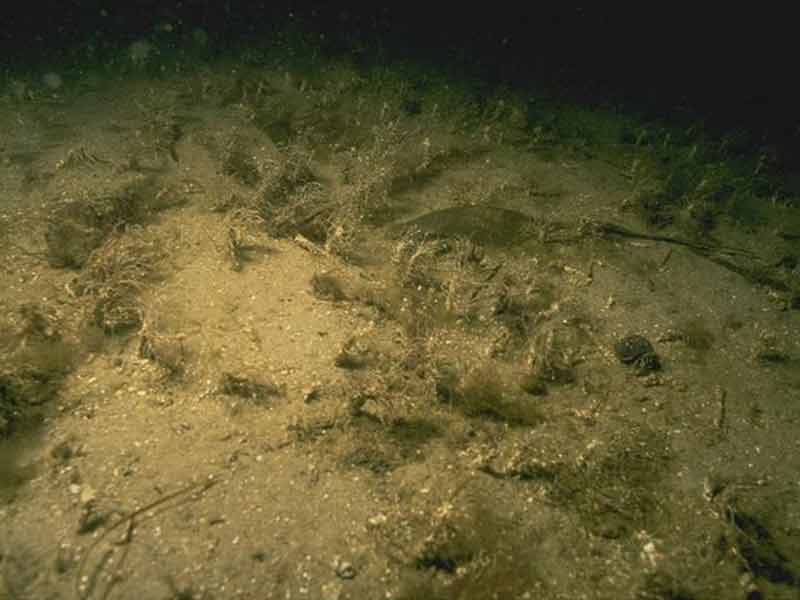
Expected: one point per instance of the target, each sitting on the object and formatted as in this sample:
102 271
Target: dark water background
734 69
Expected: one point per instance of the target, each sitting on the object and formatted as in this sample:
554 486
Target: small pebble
344 568
378 519
88 494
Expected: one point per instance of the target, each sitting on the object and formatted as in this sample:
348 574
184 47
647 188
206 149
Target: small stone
344 568
87 494
378 519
